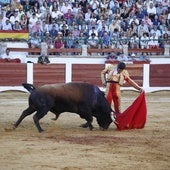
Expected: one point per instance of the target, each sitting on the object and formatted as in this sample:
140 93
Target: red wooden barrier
13 74
47 74
159 75
89 73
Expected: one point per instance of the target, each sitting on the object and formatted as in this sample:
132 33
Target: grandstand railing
89 50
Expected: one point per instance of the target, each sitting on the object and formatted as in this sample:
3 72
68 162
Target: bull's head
105 120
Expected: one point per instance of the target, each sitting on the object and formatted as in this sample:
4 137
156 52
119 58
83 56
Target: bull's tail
29 87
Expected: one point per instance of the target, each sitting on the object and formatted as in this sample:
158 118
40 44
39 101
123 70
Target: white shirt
151 10
56 14
7 26
64 8
13 19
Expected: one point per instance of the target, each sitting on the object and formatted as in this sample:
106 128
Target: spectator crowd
97 23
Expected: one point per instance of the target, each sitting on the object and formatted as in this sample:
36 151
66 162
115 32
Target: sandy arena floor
66 146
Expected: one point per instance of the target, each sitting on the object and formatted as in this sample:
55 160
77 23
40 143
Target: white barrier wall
68 75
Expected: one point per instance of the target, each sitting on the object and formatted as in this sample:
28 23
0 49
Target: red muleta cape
134 117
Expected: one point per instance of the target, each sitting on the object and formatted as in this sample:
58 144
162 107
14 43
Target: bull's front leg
89 120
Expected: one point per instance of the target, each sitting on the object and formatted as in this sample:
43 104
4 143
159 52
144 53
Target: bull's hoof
101 128
91 127
85 125
41 130
14 126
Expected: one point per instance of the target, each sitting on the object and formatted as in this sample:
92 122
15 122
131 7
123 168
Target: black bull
84 99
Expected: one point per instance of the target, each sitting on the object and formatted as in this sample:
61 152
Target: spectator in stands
165 4
139 4
156 21
7 25
94 4
141 14
147 21
144 57
56 13
142 28
53 6
112 56
35 7
93 30
35 40
68 16
81 40
21 12
32 21
78 19
15 4
115 41
45 8
154 41
3 19
134 41
48 17
53 32
37 27
159 9
26 6
76 32
43 59
15 17
84 5
64 30
63 24
105 40
124 40
69 41
29 13
132 57
104 5
47 38
163 17
122 57
59 42
17 26
7 58
124 12
151 10
156 31
39 14
134 27
165 30
76 8
144 40
93 41
24 22
165 40
134 20
114 25
66 5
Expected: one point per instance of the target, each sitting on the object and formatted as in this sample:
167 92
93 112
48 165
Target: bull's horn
112 116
